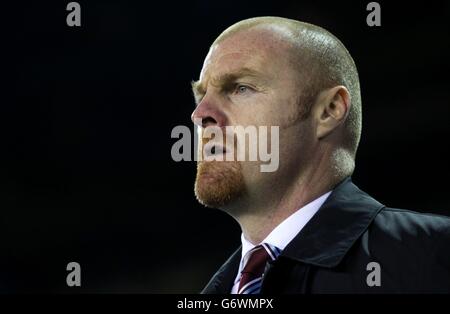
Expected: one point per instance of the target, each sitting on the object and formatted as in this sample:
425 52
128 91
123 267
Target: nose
208 113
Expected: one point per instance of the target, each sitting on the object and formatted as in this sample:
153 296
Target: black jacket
332 252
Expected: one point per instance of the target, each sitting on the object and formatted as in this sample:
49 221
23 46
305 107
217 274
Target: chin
219 183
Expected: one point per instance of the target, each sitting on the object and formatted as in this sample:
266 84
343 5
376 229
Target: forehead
253 48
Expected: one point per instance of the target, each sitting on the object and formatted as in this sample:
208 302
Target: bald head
321 61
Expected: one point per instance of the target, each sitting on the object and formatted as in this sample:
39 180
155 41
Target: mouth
211 150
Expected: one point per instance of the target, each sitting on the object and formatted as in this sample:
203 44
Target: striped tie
251 277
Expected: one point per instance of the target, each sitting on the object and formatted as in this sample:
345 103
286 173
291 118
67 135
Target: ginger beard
219 183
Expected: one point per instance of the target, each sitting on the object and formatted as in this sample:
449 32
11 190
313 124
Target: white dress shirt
282 234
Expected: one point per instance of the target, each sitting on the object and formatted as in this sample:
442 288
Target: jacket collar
332 231
223 279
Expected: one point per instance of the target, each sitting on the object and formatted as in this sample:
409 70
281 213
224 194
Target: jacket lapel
223 279
324 241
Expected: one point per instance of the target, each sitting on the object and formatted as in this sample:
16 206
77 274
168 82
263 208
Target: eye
242 89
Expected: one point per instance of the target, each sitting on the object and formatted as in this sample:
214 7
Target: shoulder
411 249
406 222
420 234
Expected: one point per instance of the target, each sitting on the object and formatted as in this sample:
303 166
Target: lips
212 149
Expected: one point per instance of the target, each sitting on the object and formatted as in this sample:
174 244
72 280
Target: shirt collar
286 230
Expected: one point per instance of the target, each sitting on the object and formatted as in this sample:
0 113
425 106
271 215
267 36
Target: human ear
331 109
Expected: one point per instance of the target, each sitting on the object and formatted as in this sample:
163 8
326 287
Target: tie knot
252 273
257 261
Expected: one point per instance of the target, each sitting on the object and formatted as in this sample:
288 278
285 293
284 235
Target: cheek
252 176
261 114
292 113
282 111
295 142
272 109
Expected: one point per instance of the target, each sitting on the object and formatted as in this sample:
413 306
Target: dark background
86 172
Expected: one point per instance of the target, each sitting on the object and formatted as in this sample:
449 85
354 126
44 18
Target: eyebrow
199 89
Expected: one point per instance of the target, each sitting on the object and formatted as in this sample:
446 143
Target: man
306 228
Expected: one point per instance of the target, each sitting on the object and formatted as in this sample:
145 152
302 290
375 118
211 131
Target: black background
86 172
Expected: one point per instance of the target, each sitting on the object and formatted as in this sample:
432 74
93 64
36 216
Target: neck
264 214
